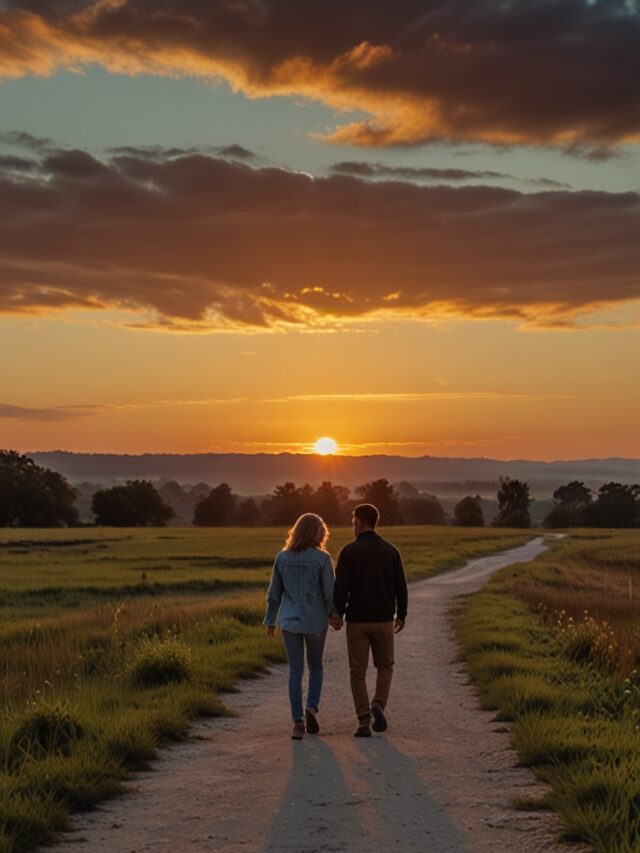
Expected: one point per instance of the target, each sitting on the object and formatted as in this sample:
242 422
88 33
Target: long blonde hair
309 531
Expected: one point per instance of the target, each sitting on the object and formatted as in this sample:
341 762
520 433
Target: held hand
270 631
335 621
398 625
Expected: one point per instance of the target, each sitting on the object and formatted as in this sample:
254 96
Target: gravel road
439 780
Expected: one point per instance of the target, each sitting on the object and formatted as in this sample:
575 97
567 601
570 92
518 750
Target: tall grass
594 581
74 743
553 649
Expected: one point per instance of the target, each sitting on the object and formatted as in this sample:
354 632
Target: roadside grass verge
565 679
67 750
112 643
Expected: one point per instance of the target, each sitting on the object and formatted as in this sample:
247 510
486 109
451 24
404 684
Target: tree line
220 507
33 496
575 505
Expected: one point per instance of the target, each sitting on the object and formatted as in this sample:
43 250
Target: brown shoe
364 726
297 732
379 719
310 718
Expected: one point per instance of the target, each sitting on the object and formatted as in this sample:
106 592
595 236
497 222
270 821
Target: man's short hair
367 513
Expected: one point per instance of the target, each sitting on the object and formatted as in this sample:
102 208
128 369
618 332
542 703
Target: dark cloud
20 139
236 152
361 169
409 173
159 152
21 413
198 241
13 163
74 164
560 72
548 183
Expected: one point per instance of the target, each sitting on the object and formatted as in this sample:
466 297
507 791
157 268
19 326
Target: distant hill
259 473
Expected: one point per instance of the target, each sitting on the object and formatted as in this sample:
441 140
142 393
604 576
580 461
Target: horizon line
333 456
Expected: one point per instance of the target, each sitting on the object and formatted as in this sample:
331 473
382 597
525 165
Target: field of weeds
554 647
113 641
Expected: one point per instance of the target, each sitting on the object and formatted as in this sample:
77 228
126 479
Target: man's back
370 580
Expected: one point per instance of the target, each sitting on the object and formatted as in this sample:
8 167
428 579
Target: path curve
439 780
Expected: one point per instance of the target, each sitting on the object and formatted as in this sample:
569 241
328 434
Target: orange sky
468 388
239 227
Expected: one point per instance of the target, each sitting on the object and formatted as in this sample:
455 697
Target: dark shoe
379 719
363 730
310 718
298 730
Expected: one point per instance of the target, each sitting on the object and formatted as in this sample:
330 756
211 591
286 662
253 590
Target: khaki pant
377 636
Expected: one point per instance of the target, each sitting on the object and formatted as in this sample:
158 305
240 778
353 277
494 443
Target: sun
325 446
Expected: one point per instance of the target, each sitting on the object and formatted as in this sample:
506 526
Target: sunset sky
412 226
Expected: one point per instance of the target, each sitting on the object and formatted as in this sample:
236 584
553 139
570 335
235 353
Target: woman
300 598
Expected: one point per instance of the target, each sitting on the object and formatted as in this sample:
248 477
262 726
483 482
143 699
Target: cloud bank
427 173
51 415
198 241
551 72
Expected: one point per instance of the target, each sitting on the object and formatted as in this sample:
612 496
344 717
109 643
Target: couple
369 587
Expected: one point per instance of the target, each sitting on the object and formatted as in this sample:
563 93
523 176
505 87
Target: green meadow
554 648
113 641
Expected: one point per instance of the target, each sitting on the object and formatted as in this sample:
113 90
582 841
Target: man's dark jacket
371 585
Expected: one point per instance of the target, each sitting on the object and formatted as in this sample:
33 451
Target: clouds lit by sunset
412 227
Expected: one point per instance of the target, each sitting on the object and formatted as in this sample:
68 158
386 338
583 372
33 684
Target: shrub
223 631
48 728
468 512
587 641
160 660
130 741
517 518
28 821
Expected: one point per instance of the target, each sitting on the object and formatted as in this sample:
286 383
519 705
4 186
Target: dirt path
439 780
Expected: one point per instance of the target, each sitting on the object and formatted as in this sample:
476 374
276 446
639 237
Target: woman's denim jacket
301 591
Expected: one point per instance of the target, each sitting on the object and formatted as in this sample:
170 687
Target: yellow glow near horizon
325 446
165 393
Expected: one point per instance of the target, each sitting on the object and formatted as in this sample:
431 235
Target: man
371 589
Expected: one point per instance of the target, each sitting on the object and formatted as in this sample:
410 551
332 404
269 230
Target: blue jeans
294 644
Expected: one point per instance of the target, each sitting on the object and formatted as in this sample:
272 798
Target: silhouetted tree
616 506
200 490
285 505
570 502
468 512
329 502
290 501
136 504
382 495
181 500
33 496
406 489
561 516
248 514
513 504
114 507
216 509
574 495
421 510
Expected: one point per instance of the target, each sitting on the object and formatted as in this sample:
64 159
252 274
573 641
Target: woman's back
300 599
302 586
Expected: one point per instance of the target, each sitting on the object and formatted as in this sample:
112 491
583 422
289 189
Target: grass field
554 647
113 641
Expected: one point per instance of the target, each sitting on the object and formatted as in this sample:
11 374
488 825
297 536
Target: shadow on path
384 805
409 817
317 806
